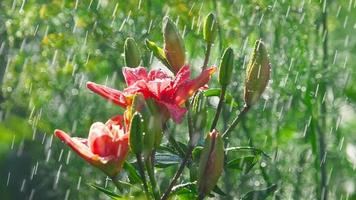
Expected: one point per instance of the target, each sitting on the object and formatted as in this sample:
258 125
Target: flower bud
199 115
225 68
132 53
148 139
151 122
136 133
157 52
211 163
257 74
155 122
173 45
210 28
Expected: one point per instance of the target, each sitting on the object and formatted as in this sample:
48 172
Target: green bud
152 122
225 68
132 53
257 74
211 163
157 52
148 139
136 133
173 45
155 122
199 115
210 28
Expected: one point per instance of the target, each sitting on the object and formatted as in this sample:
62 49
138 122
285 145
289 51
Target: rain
297 142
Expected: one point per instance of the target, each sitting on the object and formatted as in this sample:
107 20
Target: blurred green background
49 49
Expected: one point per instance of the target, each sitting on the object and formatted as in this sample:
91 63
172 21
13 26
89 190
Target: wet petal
110 94
177 113
182 76
77 144
158 74
156 87
186 89
133 75
101 140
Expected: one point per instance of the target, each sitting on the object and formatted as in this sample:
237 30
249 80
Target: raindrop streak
48 155
23 185
67 194
68 157
13 142
60 155
79 182
57 177
32 194
8 178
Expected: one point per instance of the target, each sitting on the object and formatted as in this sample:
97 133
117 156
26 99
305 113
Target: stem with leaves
321 127
141 170
236 121
150 170
185 159
218 110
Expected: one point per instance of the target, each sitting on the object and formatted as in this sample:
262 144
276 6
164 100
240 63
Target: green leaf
107 192
196 153
132 173
260 194
251 149
157 52
163 160
229 99
244 163
185 191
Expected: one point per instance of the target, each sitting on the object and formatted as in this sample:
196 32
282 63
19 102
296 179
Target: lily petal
182 76
157 74
177 113
133 75
101 141
78 145
187 89
110 94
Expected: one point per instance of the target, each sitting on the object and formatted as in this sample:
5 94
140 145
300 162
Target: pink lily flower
169 92
105 148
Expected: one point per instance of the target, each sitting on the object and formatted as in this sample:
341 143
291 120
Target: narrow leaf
132 173
107 192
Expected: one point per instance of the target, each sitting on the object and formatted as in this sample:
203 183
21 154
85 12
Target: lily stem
219 108
151 176
141 170
175 145
178 173
236 121
186 157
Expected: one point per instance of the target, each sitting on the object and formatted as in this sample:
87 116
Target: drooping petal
78 145
133 75
176 113
110 94
186 89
